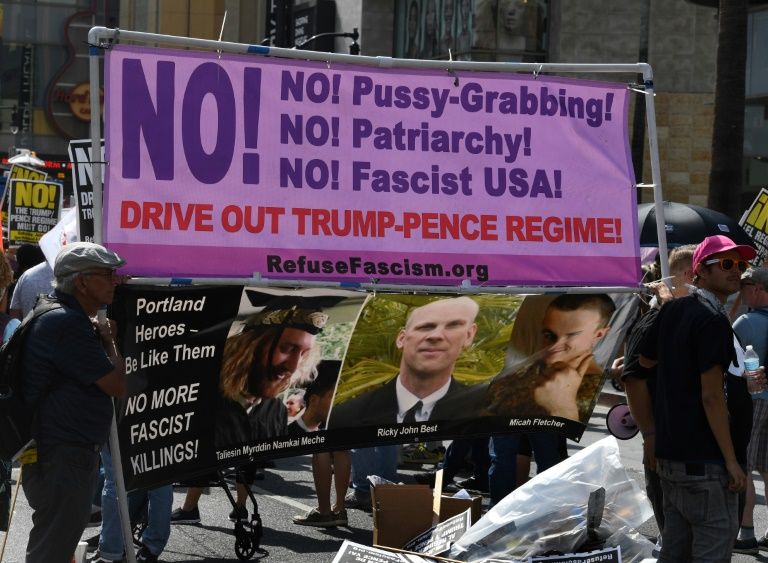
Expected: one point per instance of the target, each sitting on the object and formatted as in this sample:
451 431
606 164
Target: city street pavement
287 490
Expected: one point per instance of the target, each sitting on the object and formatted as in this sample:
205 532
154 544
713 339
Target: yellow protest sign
33 209
755 223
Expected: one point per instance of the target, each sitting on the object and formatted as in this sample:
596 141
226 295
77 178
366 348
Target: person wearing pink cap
691 344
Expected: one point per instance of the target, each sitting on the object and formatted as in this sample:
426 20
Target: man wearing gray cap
71 368
752 328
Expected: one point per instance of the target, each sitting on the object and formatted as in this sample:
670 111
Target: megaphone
620 422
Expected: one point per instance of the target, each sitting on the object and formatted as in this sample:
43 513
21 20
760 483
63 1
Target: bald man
433 338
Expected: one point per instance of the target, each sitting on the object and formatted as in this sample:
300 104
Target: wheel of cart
139 525
247 534
137 512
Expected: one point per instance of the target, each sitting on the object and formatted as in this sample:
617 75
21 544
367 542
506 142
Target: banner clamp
103 44
642 88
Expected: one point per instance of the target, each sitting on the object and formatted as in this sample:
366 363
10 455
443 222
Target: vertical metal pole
96 174
96 166
638 118
658 197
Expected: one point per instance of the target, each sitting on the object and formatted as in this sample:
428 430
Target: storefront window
488 30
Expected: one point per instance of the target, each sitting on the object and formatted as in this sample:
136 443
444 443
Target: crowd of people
703 433
73 368
684 375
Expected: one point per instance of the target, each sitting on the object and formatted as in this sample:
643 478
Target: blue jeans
99 487
111 537
700 513
160 501
379 460
655 495
502 475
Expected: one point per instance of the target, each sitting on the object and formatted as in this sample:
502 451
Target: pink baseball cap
720 243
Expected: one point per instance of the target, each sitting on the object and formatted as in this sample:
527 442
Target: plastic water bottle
752 371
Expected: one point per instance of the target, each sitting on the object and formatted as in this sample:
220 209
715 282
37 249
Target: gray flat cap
83 256
758 276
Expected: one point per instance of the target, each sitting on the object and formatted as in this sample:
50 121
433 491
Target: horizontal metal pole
98 35
393 288
101 36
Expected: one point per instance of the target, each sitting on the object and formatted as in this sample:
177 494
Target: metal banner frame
100 38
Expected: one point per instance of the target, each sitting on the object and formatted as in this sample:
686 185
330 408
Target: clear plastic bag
549 513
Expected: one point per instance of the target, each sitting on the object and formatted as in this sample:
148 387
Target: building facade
44 74
681 47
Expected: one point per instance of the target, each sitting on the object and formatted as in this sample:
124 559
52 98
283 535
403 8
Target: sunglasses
727 264
107 275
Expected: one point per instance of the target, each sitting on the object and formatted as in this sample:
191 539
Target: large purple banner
239 165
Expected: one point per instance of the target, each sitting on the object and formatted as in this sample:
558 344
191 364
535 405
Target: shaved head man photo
433 338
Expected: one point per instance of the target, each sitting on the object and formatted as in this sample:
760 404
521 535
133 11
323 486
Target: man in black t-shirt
691 342
640 382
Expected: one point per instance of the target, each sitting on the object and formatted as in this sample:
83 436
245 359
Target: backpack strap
15 344
44 304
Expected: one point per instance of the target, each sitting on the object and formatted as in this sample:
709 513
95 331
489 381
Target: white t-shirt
32 283
406 399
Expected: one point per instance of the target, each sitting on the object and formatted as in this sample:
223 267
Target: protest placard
19 172
755 223
81 156
294 170
211 370
607 555
438 539
351 552
33 209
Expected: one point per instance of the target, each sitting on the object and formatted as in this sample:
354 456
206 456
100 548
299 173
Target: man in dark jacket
71 369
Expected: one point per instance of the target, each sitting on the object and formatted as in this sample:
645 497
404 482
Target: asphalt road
288 490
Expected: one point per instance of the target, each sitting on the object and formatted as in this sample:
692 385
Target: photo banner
19 172
221 375
80 155
33 209
294 170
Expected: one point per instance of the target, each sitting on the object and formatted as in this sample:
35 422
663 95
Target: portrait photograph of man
557 355
418 359
273 347
426 355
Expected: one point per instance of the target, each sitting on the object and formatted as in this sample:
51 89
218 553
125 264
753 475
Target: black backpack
16 416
